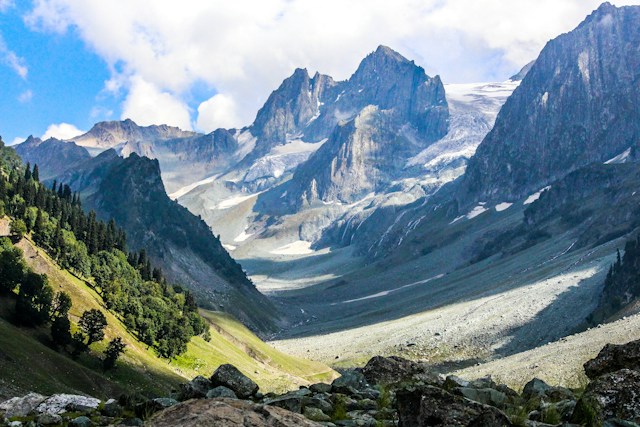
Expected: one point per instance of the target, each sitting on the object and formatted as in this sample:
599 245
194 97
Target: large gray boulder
60 403
227 413
195 389
386 370
614 395
350 382
229 376
21 406
433 406
613 358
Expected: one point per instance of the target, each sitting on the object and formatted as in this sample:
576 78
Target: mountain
390 110
130 190
106 135
576 106
52 156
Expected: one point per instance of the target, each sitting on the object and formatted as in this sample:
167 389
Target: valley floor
452 317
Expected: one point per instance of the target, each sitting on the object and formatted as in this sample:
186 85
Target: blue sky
64 80
203 64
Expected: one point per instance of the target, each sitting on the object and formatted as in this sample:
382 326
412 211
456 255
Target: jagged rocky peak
112 133
290 108
391 82
579 104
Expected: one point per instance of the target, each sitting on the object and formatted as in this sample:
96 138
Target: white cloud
147 105
25 96
219 111
10 58
244 49
62 131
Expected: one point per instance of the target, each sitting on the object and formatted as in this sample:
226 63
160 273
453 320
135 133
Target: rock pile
387 392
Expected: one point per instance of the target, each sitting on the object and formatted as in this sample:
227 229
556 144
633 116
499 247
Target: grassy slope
139 369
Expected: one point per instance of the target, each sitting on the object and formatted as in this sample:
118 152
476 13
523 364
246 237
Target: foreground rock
388 392
388 370
613 358
614 395
228 413
433 406
230 377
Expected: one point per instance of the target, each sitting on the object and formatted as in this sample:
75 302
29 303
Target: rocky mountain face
52 156
130 190
576 106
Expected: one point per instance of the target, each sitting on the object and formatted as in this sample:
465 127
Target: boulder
613 358
146 409
21 406
227 413
112 409
81 422
320 388
536 388
389 370
317 402
433 406
221 391
613 395
315 414
229 376
61 403
195 389
289 402
349 382
486 396
49 419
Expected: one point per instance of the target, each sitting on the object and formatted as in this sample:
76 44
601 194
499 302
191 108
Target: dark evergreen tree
36 173
113 351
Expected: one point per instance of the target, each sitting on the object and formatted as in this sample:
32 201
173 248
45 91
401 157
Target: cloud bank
159 50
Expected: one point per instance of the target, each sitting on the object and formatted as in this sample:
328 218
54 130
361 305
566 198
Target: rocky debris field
387 392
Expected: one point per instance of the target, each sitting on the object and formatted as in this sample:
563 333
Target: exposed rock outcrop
614 357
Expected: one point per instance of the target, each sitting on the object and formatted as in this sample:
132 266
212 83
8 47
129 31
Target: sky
205 64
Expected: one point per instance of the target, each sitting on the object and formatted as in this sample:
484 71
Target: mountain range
392 194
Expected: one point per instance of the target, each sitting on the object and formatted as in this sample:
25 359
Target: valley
364 245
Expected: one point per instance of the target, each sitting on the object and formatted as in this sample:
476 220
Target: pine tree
36 173
27 172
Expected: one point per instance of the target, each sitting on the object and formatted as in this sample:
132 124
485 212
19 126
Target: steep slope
52 156
131 191
577 105
139 368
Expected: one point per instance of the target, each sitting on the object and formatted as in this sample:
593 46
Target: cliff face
577 105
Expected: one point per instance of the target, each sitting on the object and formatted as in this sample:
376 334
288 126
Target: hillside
131 191
139 369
